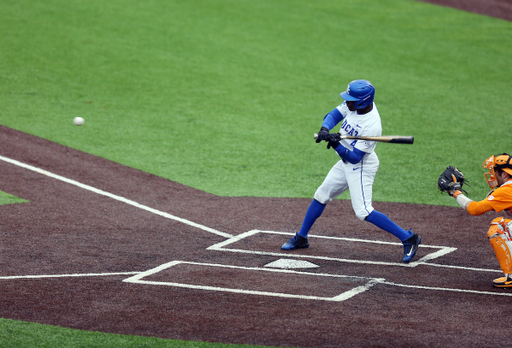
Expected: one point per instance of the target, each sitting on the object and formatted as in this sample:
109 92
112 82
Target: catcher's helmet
360 91
501 162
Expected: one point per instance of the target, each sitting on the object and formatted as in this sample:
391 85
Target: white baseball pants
358 178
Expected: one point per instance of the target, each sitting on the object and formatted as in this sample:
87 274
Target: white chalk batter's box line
232 239
138 279
370 282
442 250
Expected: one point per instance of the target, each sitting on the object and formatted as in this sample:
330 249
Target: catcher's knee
493 232
499 226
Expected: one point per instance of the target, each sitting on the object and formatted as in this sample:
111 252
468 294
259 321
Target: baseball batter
499 199
356 170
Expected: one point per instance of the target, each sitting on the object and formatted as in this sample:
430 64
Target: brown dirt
66 230
493 8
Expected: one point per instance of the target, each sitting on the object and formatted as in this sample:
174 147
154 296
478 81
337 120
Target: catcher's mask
502 162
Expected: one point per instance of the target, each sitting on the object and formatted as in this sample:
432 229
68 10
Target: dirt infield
493 8
128 252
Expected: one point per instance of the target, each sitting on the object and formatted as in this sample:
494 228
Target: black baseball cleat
296 242
503 282
411 246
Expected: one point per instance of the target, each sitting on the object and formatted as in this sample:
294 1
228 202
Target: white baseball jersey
359 177
354 124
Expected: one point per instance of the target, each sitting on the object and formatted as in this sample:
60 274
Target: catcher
499 199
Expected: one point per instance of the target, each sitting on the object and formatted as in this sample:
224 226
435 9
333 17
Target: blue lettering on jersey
351 131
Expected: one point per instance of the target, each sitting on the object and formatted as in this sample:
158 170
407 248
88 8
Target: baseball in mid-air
78 121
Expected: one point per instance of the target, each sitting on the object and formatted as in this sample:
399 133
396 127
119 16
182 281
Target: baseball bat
395 139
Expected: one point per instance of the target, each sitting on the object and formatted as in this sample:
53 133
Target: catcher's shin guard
500 244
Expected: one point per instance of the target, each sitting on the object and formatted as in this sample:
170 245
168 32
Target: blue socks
314 211
382 221
378 219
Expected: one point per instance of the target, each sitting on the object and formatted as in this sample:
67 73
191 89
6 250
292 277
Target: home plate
290 264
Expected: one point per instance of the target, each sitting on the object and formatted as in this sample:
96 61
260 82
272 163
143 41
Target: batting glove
334 140
322 135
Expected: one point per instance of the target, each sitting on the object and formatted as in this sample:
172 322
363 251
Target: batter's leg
383 222
334 184
360 179
314 211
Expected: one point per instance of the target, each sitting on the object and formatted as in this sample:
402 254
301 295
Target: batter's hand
322 135
334 137
333 144
334 140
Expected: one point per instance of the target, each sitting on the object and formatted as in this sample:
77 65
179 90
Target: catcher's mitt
451 180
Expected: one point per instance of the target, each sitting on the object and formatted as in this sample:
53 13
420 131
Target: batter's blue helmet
360 91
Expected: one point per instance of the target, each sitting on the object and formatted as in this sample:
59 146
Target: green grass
225 95
21 334
6 198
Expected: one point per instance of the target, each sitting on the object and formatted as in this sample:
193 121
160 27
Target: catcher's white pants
358 178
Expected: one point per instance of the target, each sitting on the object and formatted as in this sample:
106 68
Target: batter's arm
354 156
332 119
